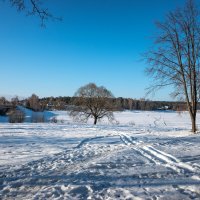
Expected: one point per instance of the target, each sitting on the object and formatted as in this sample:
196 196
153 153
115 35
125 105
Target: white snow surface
141 155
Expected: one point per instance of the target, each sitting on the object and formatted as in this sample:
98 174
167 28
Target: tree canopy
92 102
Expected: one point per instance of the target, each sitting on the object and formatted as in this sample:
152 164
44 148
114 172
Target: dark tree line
66 103
120 104
143 104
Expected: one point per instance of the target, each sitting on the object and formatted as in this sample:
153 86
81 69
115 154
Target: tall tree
174 60
15 101
92 102
33 103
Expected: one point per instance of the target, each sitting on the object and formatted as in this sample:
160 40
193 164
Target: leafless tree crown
174 60
94 102
33 103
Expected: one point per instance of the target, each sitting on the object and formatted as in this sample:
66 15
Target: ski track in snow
79 159
160 157
104 162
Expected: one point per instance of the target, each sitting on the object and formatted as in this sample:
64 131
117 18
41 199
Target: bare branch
34 7
174 60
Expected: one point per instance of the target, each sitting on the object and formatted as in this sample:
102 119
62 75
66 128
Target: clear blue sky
98 41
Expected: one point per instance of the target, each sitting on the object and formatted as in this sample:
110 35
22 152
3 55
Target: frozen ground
143 155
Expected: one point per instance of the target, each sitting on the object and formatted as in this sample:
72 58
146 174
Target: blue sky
98 41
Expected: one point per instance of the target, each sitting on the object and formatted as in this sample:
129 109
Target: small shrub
16 116
54 120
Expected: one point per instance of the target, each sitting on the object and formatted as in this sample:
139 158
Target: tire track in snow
160 157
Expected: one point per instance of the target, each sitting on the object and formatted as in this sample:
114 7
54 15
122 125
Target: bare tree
3 101
33 103
16 116
33 7
174 60
92 102
15 101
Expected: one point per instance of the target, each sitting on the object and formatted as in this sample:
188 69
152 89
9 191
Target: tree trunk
193 119
95 120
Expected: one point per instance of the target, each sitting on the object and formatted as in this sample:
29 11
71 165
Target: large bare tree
94 102
34 7
174 59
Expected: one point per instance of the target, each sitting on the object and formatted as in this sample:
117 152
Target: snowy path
45 161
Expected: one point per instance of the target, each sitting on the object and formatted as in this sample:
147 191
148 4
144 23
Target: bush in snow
16 116
53 120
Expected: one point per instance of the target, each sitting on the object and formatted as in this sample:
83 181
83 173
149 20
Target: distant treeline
65 103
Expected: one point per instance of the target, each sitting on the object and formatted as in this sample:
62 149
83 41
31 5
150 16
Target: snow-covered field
143 155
